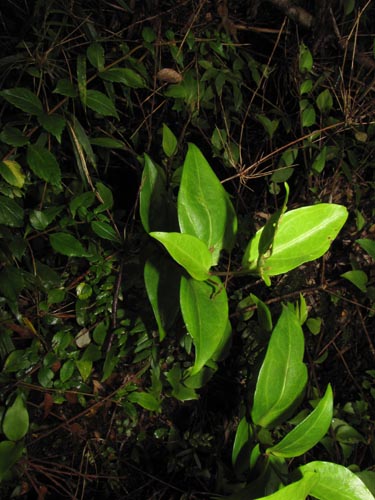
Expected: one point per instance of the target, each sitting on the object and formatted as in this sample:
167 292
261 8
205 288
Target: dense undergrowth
101 392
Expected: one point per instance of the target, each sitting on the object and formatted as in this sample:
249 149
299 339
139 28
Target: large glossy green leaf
204 309
204 207
283 375
153 205
66 244
23 99
295 491
16 420
126 76
303 235
336 482
308 432
11 214
162 280
188 251
44 164
100 103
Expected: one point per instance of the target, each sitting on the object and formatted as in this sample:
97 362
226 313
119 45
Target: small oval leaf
66 244
16 420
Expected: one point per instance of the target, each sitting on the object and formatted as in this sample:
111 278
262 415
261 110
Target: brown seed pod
169 75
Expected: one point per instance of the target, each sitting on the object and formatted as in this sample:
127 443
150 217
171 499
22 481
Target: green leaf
83 200
54 124
305 59
82 79
324 101
107 142
204 309
95 54
12 172
16 420
126 76
13 137
146 400
283 375
65 87
66 244
308 432
11 282
81 143
100 103
38 220
270 126
303 235
162 280
204 208
308 116
306 86
358 278
106 197
243 436
11 214
44 164
10 453
298 490
23 99
84 367
368 246
336 482
320 160
154 209
67 370
105 231
188 251
264 314
169 142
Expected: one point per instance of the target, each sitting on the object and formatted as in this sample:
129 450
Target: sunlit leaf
204 208
204 308
283 375
298 490
12 172
308 432
188 251
336 481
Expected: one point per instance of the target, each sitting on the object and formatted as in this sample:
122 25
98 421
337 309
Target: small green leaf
188 251
16 420
146 400
336 481
12 172
67 370
358 278
320 160
54 124
306 87
126 76
13 137
324 102
84 368
283 375
83 291
368 246
169 142
308 432
204 208
11 214
305 59
314 325
38 220
106 197
23 99
100 103
66 244
107 142
65 87
204 309
105 231
95 54
308 116
44 164
270 126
